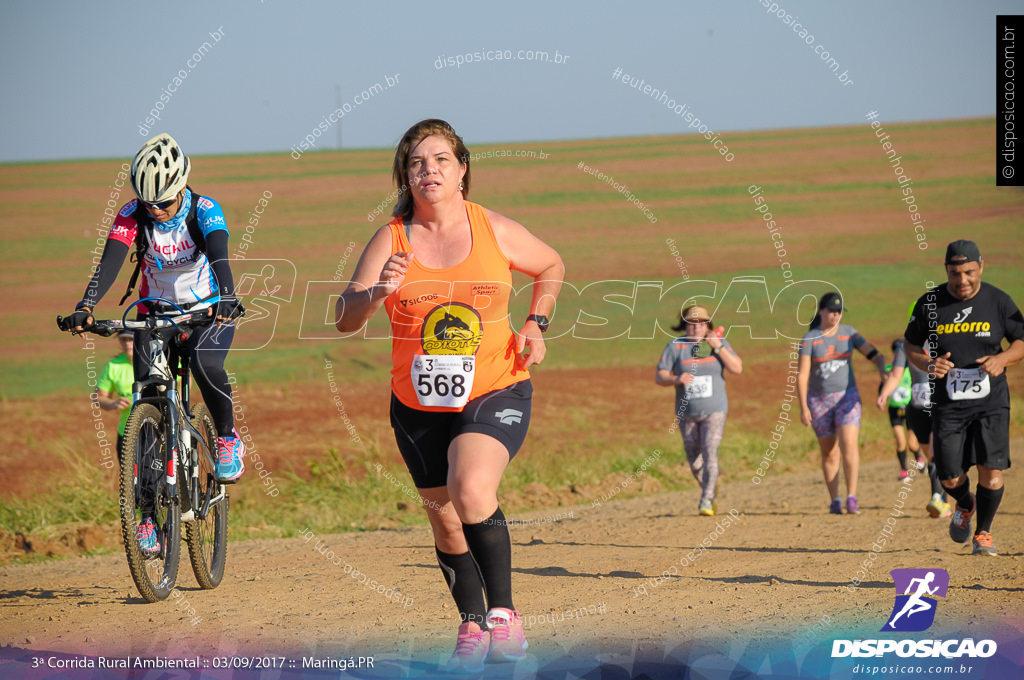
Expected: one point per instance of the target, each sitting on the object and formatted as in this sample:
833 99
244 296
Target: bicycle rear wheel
144 493
207 538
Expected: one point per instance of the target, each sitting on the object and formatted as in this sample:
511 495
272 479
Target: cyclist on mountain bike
182 242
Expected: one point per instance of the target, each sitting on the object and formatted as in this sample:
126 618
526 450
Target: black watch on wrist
541 321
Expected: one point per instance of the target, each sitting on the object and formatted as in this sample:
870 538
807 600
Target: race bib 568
443 379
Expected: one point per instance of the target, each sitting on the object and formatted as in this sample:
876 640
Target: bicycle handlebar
108 327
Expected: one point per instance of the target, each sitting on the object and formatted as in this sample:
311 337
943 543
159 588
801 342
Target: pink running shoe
230 451
470 650
508 641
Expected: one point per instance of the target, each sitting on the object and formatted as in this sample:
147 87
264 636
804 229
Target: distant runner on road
829 400
964 323
919 422
899 399
695 364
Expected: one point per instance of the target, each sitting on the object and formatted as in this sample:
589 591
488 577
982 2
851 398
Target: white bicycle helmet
160 170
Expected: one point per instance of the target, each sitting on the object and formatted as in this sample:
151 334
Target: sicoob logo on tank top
452 328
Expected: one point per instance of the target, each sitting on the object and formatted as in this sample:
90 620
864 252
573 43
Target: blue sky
78 78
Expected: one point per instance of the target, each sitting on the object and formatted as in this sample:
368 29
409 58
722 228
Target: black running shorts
424 436
960 441
897 416
919 421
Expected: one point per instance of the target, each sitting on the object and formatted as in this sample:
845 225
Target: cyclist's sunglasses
162 205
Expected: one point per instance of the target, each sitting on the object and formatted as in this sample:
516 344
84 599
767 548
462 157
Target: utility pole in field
337 91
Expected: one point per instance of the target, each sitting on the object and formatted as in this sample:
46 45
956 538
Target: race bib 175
967 383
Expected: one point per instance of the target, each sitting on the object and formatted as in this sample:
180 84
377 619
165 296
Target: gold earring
461 188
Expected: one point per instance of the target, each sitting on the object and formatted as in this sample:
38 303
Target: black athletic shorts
897 416
960 441
919 421
424 436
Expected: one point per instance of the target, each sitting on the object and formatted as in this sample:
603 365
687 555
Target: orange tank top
448 324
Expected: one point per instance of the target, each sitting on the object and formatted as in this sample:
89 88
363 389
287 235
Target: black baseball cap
831 301
962 252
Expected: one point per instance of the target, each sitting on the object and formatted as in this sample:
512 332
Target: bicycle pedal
189 516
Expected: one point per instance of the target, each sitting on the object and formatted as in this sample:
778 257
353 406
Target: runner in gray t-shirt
831 368
694 364
829 401
705 393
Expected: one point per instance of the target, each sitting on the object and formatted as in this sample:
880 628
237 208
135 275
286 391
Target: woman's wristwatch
542 321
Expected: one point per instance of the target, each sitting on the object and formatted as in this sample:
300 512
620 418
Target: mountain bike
168 462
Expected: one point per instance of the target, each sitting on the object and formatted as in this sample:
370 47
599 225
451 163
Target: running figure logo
962 315
914 610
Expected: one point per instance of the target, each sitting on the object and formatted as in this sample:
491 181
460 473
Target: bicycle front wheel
153 551
207 538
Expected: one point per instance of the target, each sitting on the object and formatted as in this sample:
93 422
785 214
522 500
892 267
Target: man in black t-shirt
955 333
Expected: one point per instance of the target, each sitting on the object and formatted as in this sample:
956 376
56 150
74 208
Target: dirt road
616 583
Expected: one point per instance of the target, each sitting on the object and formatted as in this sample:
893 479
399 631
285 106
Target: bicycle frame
164 357
178 498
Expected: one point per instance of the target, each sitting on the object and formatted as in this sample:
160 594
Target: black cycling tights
208 348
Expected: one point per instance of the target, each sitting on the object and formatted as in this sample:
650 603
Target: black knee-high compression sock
933 473
962 495
902 455
491 547
988 503
463 578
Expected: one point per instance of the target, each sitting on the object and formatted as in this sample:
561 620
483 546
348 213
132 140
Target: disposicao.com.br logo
914 611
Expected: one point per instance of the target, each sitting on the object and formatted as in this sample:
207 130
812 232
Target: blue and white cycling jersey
173 268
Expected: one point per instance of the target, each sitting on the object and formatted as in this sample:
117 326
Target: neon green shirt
900 397
117 379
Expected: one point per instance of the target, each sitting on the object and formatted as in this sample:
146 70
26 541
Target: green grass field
832 193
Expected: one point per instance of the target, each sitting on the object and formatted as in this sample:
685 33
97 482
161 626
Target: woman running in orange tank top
461 390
